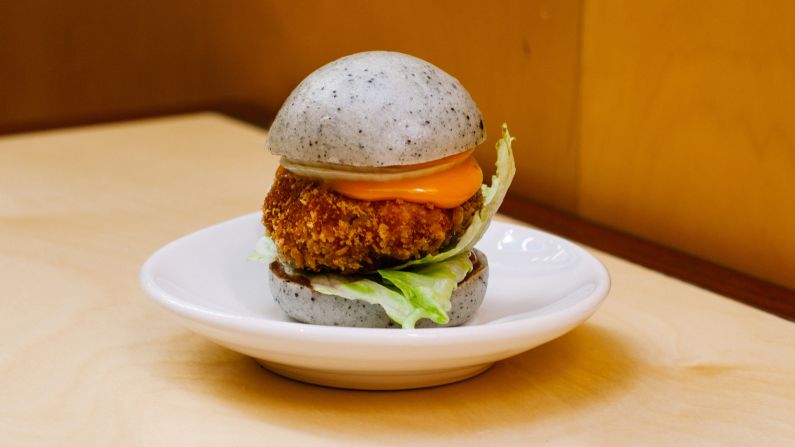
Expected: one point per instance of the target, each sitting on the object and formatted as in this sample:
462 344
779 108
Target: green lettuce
406 296
264 251
421 288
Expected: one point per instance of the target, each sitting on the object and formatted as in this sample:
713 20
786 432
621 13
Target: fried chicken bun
374 212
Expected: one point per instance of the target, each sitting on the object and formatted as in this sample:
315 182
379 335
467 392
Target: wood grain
687 136
87 359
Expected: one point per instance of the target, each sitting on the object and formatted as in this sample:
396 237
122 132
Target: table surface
87 359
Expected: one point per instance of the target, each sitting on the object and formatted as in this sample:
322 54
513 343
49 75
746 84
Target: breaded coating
319 230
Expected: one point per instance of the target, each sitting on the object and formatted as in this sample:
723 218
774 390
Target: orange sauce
445 189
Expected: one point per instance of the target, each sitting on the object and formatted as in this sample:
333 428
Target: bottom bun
298 300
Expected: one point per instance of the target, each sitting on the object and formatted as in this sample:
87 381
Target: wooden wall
687 127
87 60
670 120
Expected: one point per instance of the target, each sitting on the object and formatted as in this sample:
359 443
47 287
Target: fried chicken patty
319 230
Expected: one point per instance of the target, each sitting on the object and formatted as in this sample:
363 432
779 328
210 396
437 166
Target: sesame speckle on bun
376 109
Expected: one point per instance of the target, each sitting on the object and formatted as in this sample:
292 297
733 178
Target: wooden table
87 359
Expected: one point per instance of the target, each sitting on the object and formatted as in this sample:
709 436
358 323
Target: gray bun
302 303
376 108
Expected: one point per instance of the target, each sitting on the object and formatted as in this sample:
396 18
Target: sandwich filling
420 251
317 229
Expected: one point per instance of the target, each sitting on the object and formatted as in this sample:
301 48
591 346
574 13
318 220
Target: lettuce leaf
264 251
405 296
421 288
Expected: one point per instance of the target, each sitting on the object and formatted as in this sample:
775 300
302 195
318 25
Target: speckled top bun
376 108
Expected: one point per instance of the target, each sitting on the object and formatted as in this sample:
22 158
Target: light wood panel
87 359
687 130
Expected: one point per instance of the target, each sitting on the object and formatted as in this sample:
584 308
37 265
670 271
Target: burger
378 202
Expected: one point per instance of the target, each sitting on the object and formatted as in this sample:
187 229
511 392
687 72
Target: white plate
540 287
